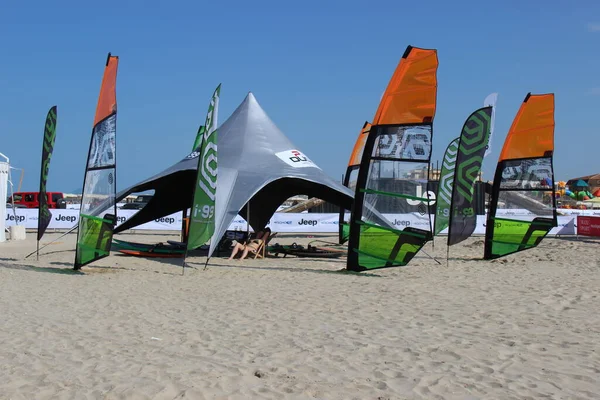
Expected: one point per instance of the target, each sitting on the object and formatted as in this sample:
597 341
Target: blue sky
318 68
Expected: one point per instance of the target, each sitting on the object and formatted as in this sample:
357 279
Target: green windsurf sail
523 203
96 226
395 167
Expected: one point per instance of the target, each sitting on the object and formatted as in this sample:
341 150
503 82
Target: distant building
592 180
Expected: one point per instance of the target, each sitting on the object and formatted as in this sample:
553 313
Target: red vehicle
31 199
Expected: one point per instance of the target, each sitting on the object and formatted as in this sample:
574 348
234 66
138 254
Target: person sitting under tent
253 245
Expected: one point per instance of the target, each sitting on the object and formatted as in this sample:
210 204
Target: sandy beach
523 327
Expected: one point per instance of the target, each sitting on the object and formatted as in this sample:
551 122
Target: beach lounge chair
260 251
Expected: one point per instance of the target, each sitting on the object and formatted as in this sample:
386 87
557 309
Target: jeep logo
61 217
310 222
400 223
165 220
18 218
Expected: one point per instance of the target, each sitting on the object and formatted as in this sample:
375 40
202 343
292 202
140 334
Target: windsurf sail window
351 177
523 204
393 176
98 211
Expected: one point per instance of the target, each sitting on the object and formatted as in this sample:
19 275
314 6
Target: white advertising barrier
280 222
4 169
67 218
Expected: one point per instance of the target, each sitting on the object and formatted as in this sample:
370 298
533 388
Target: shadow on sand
290 269
24 267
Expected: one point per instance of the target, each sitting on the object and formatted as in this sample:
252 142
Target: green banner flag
444 195
202 220
199 137
44 214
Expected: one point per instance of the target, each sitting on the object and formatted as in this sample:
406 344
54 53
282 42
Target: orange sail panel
532 131
411 94
359 146
107 101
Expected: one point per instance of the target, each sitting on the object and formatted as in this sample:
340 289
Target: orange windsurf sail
359 146
523 204
107 100
390 221
410 96
532 131
98 211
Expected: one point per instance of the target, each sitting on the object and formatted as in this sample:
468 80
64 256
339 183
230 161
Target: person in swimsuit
251 246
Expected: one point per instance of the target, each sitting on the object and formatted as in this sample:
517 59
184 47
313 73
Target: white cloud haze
594 27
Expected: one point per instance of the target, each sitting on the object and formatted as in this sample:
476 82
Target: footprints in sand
520 327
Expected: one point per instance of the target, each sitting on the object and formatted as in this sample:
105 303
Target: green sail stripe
504 242
95 218
521 221
93 248
399 232
364 253
400 195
